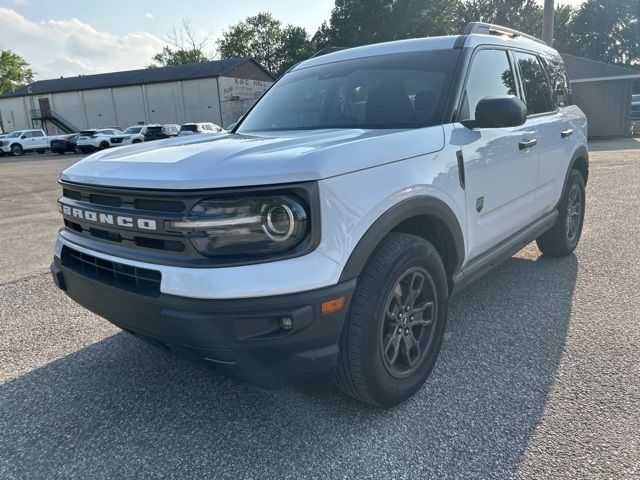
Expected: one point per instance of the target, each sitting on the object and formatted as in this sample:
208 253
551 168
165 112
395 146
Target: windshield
189 128
390 91
132 130
87 132
14 134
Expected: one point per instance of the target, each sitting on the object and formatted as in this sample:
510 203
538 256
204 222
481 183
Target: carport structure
603 92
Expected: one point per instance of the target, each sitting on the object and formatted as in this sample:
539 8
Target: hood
235 160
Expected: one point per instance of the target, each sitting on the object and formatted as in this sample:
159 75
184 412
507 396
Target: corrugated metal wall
607 105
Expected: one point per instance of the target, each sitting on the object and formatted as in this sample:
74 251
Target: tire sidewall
575 178
391 390
17 150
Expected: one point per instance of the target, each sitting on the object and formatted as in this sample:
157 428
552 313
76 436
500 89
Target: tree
523 15
185 46
359 22
262 38
608 31
14 71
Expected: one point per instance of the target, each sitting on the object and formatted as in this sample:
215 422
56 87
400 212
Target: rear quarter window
559 83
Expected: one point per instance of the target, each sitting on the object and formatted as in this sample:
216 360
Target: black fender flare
581 152
404 210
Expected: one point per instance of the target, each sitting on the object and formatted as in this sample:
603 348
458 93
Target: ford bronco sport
321 238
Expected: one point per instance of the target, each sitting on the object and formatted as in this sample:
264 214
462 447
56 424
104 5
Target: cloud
149 15
57 48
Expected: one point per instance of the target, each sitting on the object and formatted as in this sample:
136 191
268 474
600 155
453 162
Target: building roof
581 69
172 73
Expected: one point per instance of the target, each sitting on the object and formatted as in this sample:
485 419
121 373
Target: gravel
538 376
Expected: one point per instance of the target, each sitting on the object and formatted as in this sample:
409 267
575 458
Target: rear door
39 140
500 171
554 130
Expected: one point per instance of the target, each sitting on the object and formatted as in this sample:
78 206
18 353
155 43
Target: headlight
245 226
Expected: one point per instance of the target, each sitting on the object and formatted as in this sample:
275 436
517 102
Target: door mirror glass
500 112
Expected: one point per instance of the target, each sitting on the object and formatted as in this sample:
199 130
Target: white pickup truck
22 141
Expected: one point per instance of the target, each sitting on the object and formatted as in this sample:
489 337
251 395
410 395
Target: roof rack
490 29
326 51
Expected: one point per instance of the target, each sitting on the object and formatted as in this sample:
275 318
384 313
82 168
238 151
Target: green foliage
523 15
169 56
185 46
263 38
14 71
607 30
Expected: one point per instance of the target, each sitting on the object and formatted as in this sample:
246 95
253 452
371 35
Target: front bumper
240 338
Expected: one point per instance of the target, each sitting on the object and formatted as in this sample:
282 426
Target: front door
500 170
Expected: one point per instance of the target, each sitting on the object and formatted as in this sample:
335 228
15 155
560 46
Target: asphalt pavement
538 375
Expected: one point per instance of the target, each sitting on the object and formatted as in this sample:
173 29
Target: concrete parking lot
538 376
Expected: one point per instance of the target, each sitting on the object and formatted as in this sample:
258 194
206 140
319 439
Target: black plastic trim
240 338
413 207
485 262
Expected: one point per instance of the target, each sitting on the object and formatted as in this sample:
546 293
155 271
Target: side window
37 133
534 82
559 83
26 135
490 75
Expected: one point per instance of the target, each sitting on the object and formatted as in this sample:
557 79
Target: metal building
603 92
218 91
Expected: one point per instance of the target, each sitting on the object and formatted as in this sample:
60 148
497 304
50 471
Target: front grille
132 279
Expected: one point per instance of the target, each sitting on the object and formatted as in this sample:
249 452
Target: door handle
524 144
566 133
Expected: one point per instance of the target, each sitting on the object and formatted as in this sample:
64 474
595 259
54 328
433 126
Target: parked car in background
98 139
64 143
635 108
202 127
159 132
133 134
22 141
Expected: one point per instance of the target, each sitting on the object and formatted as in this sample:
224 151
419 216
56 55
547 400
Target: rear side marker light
332 306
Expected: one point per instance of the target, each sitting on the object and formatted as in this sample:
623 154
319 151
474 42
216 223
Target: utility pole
547 22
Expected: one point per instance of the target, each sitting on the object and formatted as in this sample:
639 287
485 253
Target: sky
71 37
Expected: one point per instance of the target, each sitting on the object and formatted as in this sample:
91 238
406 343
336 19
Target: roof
172 73
581 69
422 44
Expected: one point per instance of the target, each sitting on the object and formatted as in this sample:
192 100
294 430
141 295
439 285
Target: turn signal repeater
332 306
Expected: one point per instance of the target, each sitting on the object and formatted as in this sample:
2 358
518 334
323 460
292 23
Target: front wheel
104 145
17 150
394 330
562 239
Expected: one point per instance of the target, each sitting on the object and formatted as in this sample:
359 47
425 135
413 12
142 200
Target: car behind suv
322 239
160 132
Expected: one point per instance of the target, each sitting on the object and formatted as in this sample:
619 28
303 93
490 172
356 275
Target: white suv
22 141
98 139
323 237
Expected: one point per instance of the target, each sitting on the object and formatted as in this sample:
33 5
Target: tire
137 141
562 239
16 150
370 339
40 152
104 145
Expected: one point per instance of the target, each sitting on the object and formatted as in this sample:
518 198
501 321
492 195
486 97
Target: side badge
479 204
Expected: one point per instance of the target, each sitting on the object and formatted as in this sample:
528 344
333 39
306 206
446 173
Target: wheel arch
426 217
579 161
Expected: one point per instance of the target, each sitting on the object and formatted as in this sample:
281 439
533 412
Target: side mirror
500 112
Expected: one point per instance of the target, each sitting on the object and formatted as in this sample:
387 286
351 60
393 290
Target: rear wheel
394 331
104 145
562 239
17 150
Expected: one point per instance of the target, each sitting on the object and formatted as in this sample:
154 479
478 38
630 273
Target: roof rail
326 51
490 29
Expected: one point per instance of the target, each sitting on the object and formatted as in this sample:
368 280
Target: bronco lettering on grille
109 219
